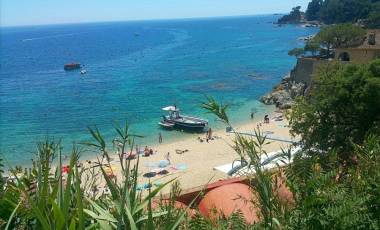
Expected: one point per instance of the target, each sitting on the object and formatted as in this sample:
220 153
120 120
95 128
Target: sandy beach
195 166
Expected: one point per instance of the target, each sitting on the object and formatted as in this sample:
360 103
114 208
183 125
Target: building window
344 56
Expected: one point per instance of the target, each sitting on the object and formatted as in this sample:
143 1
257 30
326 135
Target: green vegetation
313 9
373 20
342 108
327 198
294 17
45 200
330 38
343 11
339 36
334 180
263 182
363 12
297 52
313 47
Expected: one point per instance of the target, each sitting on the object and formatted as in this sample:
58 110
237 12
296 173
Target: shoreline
66 114
195 167
89 154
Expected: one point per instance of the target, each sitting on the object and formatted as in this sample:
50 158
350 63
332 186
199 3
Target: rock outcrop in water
283 95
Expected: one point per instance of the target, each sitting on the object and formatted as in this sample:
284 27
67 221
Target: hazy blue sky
31 12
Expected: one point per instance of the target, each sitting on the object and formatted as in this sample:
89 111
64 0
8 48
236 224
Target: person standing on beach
159 138
209 134
168 157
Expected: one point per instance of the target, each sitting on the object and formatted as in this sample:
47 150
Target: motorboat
72 66
179 121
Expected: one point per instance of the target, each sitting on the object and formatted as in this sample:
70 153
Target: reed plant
49 199
326 194
251 150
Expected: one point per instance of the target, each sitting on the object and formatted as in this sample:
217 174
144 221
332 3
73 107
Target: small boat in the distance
176 120
72 66
83 71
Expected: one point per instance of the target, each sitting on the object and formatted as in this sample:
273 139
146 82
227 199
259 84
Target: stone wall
304 70
358 56
298 82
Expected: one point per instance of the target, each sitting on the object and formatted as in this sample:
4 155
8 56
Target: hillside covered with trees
364 12
342 11
294 17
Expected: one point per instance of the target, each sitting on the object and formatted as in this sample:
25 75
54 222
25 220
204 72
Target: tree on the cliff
297 52
294 17
340 36
313 10
312 47
341 110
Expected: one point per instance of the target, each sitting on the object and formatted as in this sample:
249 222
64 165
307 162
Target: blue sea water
134 69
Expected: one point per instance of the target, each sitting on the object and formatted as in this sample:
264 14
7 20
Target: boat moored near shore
176 120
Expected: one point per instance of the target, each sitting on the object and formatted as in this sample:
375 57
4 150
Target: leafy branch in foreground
47 200
54 196
327 190
263 182
219 110
126 207
342 108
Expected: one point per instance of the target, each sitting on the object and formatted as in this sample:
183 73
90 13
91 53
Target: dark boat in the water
72 66
176 120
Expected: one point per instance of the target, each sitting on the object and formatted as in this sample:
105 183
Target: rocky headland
283 94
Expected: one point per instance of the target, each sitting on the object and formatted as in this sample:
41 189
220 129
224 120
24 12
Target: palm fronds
219 110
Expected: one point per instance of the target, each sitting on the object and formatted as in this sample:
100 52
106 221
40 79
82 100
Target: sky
39 12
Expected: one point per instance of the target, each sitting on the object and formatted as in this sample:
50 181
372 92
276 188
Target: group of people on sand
208 136
147 151
132 155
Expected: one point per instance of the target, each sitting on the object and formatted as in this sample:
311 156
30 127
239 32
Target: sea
134 69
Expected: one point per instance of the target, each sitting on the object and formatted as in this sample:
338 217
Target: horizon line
138 20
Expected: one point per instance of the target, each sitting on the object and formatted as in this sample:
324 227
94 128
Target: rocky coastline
284 94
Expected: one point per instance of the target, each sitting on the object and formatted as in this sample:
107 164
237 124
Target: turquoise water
134 69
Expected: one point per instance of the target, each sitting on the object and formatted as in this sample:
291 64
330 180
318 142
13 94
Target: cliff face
303 71
293 85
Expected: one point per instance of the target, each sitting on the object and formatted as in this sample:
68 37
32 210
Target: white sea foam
47 37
